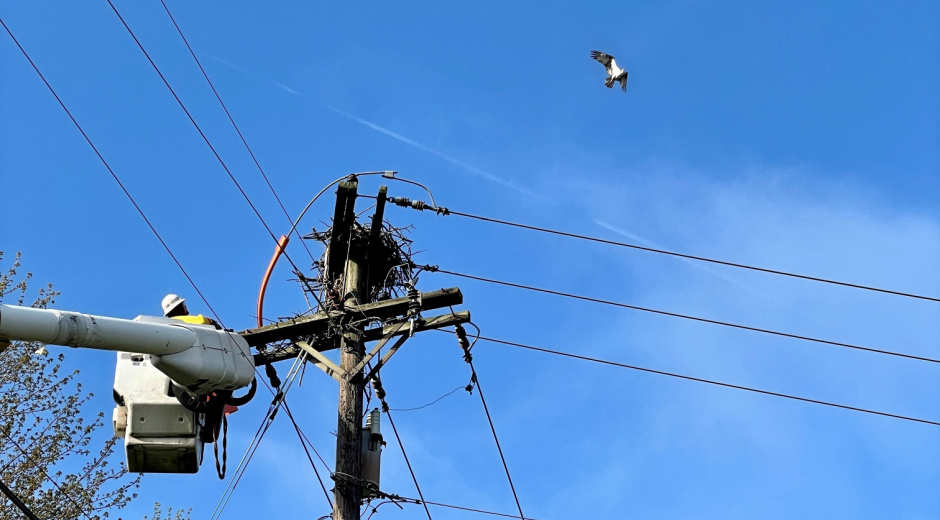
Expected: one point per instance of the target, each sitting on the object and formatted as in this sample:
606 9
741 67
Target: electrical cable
688 317
313 465
304 435
266 423
405 455
232 120
337 181
43 471
39 438
127 193
262 428
206 139
428 404
430 195
451 506
293 229
192 120
380 393
465 346
375 509
446 211
17 502
113 175
708 381
388 174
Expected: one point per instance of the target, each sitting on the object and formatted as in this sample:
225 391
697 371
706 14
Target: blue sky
791 135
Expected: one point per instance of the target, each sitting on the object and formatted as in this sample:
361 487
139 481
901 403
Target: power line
380 393
266 423
447 211
140 211
232 120
192 120
113 175
451 506
708 381
120 184
303 442
405 455
304 435
686 316
206 139
448 394
43 471
17 502
465 345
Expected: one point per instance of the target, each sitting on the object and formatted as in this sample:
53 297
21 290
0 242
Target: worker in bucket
215 408
175 307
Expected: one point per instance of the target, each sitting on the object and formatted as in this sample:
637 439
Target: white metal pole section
73 329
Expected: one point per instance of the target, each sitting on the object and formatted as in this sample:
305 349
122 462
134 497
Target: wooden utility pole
356 265
348 490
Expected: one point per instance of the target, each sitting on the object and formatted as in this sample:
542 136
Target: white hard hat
170 302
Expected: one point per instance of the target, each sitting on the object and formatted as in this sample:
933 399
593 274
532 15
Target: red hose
281 245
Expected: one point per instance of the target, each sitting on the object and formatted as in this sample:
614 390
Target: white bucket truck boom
171 384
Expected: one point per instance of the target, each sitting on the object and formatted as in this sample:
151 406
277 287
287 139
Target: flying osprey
614 73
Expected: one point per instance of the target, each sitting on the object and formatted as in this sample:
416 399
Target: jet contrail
423 148
246 71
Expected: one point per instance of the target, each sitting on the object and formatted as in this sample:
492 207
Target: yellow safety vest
198 319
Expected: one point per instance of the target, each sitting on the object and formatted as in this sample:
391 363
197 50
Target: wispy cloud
472 169
243 70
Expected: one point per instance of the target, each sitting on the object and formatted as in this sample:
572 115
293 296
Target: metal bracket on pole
372 353
381 363
322 362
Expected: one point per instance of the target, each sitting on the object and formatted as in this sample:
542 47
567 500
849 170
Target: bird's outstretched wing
605 59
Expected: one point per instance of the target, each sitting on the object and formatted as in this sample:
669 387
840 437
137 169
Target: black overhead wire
380 393
265 425
465 346
419 205
111 171
448 394
41 470
304 435
280 398
686 316
17 502
205 138
701 380
234 125
139 210
192 120
266 422
405 455
303 442
451 506
115 177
